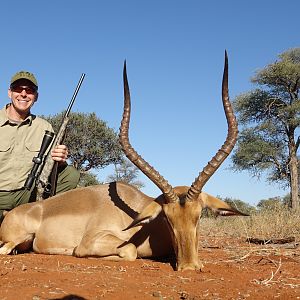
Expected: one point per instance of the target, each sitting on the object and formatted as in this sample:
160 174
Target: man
21 135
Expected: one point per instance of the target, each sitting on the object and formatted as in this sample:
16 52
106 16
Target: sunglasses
27 89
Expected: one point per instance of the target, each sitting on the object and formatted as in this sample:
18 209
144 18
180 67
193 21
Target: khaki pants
67 179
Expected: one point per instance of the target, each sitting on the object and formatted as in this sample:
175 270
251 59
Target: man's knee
68 179
73 176
12 199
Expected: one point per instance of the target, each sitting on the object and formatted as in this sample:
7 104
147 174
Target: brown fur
91 221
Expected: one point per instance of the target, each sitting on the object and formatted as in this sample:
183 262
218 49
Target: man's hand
60 153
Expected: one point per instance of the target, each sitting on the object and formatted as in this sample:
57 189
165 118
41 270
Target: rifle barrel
75 94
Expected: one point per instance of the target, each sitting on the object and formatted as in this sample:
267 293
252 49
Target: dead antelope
118 222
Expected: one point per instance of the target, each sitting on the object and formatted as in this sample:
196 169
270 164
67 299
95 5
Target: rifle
44 165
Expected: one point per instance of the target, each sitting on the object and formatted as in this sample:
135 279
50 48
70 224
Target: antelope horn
227 147
133 156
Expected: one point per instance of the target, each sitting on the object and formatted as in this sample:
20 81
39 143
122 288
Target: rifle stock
42 182
43 185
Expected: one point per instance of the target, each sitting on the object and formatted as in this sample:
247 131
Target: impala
116 221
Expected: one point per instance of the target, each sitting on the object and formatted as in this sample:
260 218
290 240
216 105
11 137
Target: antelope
116 221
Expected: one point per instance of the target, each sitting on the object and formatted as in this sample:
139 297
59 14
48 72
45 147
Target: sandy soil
233 270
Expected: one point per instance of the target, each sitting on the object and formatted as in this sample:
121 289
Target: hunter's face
23 95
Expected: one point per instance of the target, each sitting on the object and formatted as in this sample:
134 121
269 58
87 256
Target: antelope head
181 206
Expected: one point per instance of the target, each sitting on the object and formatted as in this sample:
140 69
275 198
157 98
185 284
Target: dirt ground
233 270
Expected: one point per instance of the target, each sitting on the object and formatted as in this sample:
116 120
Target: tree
271 204
92 144
240 205
87 179
234 203
127 172
270 115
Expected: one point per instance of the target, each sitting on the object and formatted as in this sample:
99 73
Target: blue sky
174 52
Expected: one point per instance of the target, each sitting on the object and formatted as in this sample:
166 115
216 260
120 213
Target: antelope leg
106 245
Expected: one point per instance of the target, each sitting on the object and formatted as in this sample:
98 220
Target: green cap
24 75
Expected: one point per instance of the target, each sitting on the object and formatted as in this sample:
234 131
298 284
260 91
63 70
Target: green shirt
20 142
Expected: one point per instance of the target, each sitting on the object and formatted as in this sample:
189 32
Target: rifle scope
38 160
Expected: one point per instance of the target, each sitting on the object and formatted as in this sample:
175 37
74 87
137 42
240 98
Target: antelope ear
148 214
218 206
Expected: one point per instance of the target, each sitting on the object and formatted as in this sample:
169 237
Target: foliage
92 144
261 149
87 179
127 172
240 205
234 203
270 116
270 204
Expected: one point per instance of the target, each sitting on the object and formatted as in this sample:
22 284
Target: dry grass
275 224
277 230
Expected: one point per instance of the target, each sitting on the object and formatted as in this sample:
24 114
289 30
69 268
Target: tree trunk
293 166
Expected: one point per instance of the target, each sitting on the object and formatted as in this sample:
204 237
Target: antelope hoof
190 266
7 248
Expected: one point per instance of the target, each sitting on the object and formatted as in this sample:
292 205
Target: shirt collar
4 119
